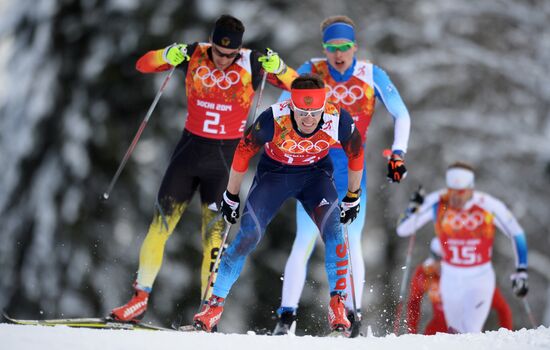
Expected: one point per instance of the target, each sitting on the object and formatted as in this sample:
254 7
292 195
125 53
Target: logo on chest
458 221
342 94
304 146
216 77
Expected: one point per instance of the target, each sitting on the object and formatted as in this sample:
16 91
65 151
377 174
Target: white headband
460 178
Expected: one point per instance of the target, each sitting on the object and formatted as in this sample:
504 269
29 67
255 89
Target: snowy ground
15 337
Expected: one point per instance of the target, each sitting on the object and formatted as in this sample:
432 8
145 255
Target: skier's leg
355 229
479 302
265 197
214 175
152 250
296 265
320 199
466 294
176 190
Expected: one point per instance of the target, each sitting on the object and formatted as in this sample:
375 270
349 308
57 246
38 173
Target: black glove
416 200
396 167
519 282
230 207
349 208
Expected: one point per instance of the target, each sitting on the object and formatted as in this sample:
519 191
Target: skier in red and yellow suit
296 136
220 80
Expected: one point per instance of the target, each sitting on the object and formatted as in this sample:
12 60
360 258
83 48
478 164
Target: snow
59 338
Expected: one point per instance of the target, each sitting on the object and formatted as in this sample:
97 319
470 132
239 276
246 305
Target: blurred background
473 74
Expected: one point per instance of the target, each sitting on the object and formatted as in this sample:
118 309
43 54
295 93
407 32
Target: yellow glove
272 63
175 54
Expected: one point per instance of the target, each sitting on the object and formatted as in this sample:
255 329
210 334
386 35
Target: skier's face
340 54
307 119
458 198
223 57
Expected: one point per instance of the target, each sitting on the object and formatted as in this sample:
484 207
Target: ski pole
214 271
529 313
269 53
107 193
404 281
416 200
355 329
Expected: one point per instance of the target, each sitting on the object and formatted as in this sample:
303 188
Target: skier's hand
416 200
519 282
349 208
230 207
175 54
396 167
272 63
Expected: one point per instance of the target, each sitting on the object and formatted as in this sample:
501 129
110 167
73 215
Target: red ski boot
210 314
133 310
337 314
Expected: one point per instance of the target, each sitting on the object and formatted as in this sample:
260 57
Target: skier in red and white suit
465 223
425 281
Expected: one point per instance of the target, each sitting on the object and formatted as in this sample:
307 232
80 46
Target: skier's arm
508 225
388 94
254 138
351 143
504 313
282 80
155 60
426 212
415 299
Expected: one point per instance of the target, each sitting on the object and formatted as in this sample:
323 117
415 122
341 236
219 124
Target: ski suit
218 103
466 235
426 281
356 91
292 165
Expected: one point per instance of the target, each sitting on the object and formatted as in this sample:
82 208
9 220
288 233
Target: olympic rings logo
341 94
305 146
217 77
469 221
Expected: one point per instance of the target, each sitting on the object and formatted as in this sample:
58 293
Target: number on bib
463 255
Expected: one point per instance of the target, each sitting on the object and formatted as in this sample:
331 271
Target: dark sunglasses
227 55
340 47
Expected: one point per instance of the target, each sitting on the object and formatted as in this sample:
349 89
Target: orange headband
308 98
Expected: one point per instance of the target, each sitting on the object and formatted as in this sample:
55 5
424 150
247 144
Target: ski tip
7 318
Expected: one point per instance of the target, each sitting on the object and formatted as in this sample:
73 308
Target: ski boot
207 320
134 310
287 316
337 319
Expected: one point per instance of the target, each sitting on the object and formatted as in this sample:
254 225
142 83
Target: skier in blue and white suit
354 85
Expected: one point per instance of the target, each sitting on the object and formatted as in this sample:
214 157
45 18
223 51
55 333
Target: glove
519 282
396 167
349 208
272 63
175 54
230 207
416 200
